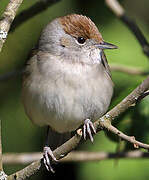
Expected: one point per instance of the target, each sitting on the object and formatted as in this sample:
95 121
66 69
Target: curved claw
47 154
88 127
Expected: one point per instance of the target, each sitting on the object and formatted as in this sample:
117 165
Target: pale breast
64 99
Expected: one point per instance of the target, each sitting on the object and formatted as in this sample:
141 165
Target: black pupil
81 40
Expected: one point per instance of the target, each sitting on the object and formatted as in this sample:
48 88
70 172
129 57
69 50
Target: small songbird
67 81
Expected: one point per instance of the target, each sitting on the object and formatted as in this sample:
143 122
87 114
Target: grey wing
31 57
105 63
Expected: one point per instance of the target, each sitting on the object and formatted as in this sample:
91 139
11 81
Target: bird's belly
64 106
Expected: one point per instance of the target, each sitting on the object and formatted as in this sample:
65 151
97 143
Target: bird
67 81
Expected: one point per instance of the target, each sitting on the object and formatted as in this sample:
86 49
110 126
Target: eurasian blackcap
67 81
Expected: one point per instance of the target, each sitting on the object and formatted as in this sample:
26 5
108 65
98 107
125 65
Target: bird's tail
55 139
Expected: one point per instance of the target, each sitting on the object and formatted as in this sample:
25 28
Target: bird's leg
88 128
48 154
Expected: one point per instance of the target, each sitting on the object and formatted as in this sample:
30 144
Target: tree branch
143 96
59 153
5 23
115 7
120 12
129 101
1 164
3 176
7 18
107 125
104 122
74 156
128 70
31 12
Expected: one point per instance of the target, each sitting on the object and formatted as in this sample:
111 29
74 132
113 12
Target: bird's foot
88 128
47 156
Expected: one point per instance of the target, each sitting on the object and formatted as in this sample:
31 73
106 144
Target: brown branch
58 153
129 101
107 125
128 70
104 122
5 23
7 18
74 156
1 164
119 11
35 9
143 96
3 176
115 7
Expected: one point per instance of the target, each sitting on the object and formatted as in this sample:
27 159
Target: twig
7 18
35 9
137 32
58 153
74 156
128 70
143 96
5 23
129 101
1 164
120 12
3 176
115 7
107 125
104 122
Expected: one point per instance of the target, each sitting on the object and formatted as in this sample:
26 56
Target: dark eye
81 40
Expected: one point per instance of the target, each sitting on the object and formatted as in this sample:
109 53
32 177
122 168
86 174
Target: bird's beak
105 45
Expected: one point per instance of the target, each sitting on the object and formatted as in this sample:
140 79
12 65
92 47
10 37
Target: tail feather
57 139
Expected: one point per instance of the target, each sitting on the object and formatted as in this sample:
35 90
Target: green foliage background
19 135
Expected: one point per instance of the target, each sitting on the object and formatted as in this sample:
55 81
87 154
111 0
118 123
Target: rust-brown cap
80 26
